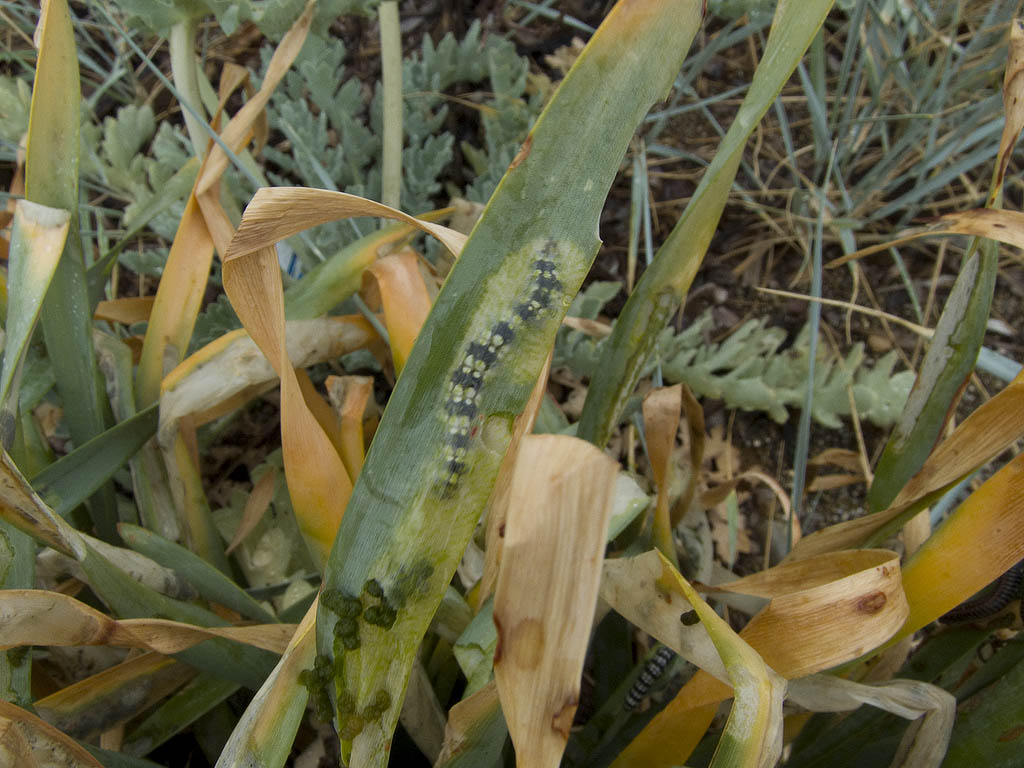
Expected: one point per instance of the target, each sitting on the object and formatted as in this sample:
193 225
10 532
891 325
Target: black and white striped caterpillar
462 405
652 670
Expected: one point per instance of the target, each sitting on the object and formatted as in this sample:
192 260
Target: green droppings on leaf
346 626
342 604
373 588
381 615
349 727
379 704
346 703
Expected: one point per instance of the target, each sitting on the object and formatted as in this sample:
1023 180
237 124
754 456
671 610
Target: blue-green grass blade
74 477
17 571
182 709
208 581
51 178
947 365
128 599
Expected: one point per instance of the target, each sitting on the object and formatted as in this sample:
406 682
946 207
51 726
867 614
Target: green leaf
665 283
158 16
128 599
516 277
208 581
74 477
17 571
944 372
474 649
123 138
51 179
186 706
15 101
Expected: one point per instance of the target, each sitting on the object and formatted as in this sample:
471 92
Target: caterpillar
652 670
1006 589
462 404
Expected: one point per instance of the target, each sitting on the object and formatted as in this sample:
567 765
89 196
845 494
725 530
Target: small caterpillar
652 670
1006 589
461 407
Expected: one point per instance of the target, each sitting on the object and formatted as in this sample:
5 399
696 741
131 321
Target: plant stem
391 90
183 72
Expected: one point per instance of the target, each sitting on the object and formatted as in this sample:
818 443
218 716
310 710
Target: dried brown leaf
396 283
277 213
494 536
27 741
662 409
560 505
349 395
40 617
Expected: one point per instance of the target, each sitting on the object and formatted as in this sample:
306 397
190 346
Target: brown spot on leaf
522 154
872 603
526 643
499 648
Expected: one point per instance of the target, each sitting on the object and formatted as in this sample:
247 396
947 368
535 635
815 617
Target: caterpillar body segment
482 355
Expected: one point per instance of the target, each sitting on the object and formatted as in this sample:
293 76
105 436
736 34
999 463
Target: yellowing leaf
317 481
255 506
135 309
38 235
349 395
277 213
398 286
974 546
753 733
